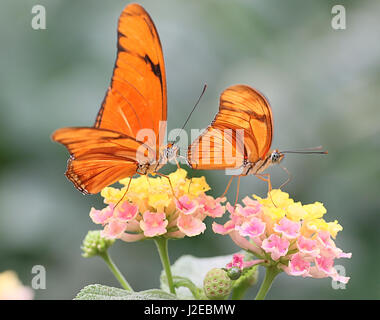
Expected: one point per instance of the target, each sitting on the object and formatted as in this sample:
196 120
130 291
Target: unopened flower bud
94 244
217 284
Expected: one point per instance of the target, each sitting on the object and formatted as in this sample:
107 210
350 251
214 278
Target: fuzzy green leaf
194 269
100 292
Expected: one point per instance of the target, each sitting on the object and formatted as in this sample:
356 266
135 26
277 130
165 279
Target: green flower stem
162 247
270 274
118 275
187 283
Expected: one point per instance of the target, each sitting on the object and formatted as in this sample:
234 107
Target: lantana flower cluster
284 234
149 208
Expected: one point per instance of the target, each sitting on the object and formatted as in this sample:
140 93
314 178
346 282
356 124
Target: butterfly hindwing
100 157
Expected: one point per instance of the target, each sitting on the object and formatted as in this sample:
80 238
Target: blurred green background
323 85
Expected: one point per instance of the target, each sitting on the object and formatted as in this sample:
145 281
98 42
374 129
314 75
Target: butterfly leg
170 183
237 191
147 179
126 191
265 177
177 163
287 180
191 181
228 186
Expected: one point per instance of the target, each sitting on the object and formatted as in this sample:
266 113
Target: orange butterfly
136 100
243 109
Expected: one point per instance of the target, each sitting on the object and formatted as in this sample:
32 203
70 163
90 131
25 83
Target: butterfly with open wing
136 100
220 147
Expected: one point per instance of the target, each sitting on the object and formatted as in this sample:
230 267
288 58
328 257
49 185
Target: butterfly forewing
242 110
136 98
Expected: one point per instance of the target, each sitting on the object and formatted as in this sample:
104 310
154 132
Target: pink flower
253 204
317 273
101 216
243 212
237 261
186 206
126 211
213 207
114 229
228 227
324 266
328 247
253 228
247 211
325 239
307 246
344 255
132 237
153 223
289 229
190 226
245 244
278 247
298 266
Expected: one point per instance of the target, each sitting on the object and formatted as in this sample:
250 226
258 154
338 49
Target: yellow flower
296 211
333 228
317 225
111 195
177 177
275 214
159 201
196 186
315 210
139 185
276 198
314 226
271 216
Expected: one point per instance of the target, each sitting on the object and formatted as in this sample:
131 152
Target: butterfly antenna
314 150
190 114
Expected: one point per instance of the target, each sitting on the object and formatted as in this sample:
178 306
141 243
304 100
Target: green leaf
194 269
100 292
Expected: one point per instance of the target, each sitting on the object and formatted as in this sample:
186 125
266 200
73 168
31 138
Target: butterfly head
170 152
276 156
